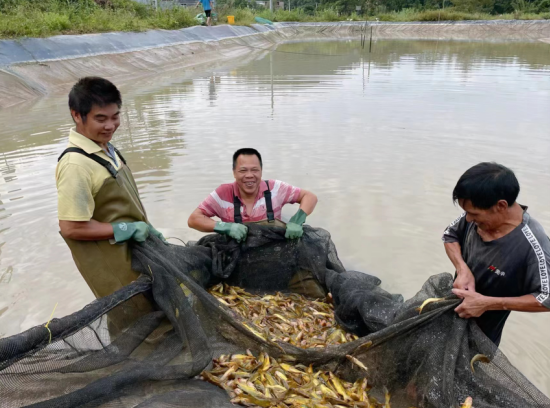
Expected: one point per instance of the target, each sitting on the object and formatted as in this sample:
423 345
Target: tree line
373 7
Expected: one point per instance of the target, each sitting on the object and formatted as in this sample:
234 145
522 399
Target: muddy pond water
381 138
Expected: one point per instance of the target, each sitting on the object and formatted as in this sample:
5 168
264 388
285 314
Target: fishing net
427 359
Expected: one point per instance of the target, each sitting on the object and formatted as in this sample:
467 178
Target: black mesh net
427 359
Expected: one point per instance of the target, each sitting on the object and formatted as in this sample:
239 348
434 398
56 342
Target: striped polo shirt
220 202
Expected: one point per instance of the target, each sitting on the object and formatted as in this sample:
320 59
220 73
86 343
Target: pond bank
35 67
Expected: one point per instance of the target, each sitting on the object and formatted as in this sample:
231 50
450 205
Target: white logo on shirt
543 269
496 271
500 273
123 226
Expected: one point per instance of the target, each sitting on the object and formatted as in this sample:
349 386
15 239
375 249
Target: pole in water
370 44
271 74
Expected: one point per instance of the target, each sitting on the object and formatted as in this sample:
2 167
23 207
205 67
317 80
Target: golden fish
356 362
467 403
427 302
281 384
479 357
290 318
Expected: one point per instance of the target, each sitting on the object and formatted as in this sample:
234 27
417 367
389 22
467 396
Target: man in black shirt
501 254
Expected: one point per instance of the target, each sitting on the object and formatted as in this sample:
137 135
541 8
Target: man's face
485 220
248 173
100 124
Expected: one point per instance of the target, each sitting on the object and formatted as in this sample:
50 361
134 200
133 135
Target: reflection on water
380 138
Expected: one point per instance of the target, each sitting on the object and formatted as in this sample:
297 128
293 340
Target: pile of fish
266 382
290 318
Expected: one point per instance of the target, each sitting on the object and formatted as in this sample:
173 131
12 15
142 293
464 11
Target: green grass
455 15
246 16
42 18
50 17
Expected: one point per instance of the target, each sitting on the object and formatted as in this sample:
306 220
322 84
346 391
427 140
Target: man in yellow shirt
99 207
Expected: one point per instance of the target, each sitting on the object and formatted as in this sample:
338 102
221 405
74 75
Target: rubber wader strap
268 205
110 168
237 210
119 155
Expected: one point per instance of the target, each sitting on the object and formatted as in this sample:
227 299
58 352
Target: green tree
472 6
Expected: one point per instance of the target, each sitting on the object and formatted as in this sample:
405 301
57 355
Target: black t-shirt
515 265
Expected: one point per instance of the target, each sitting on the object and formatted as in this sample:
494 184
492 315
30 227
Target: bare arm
454 253
86 230
475 304
525 303
200 222
307 201
465 279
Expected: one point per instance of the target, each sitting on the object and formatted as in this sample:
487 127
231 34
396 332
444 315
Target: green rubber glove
236 231
294 229
153 231
124 231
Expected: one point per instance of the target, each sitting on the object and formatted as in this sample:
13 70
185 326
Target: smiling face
100 124
485 219
248 174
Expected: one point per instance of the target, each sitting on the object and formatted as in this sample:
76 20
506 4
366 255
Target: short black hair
486 184
247 151
90 91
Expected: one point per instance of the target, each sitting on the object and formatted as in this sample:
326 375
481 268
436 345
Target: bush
56 22
445 15
267 14
327 14
355 17
139 9
449 14
243 16
473 6
293 15
171 19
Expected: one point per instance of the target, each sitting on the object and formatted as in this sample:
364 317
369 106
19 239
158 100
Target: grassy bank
246 16
42 18
455 15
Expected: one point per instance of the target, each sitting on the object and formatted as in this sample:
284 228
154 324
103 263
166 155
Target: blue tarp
75 46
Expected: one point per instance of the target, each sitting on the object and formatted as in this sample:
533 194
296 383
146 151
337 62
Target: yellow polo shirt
79 179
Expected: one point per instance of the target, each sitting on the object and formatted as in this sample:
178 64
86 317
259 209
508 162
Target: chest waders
104 266
303 282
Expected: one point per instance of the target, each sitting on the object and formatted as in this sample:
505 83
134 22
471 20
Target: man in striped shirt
250 199
501 253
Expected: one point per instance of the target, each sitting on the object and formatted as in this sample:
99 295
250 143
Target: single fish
467 403
427 302
281 375
254 332
339 387
289 369
357 362
387 398
478 357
